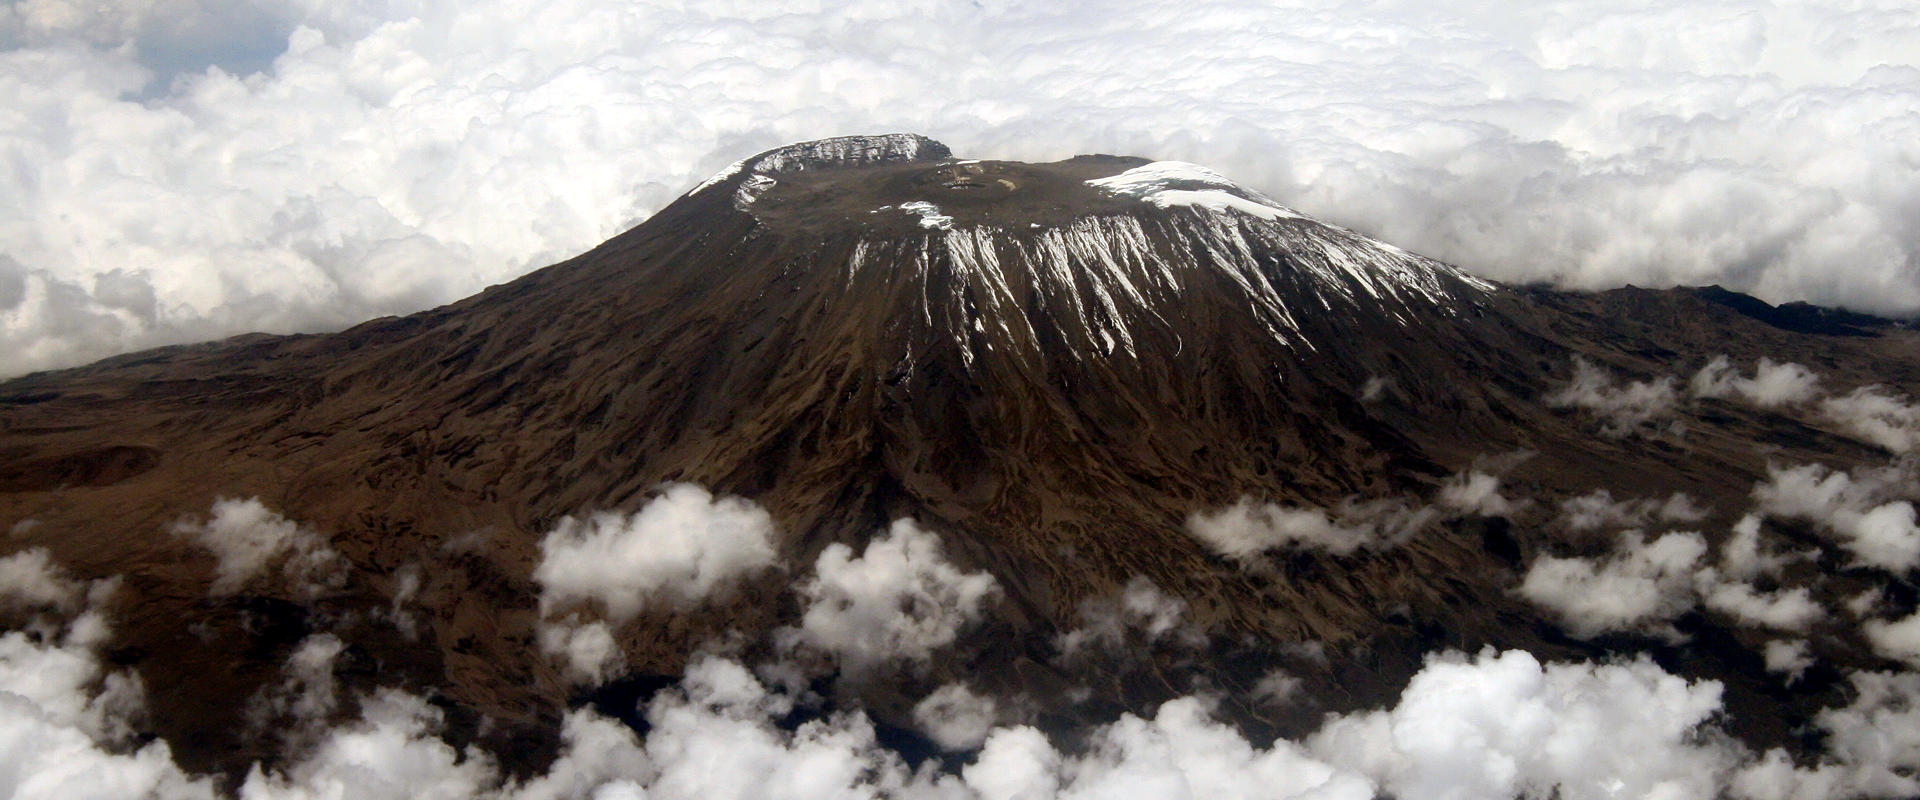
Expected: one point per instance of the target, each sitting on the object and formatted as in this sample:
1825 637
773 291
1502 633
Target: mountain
1068 371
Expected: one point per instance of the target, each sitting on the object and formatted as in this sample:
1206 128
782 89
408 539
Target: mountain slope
1055 366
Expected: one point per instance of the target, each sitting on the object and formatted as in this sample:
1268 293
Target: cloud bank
1492 724
189 169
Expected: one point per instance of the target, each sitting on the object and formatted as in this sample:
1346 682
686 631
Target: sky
180 170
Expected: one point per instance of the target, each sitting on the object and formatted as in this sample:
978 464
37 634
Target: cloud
589 649
1183 752
956 718
1477 493
1872 744
1872 413
1744 558
1597 509
1789 657
406 586
1878 415
1641 584
682 547
1505 725
30 578
898 601
298 709
67 721
1623 409
599 758
1899 639
1140 614
1862 513
714 737
391 752
1491 725
1248 528
348 160
1277 687
1784 609
1773 383
249 539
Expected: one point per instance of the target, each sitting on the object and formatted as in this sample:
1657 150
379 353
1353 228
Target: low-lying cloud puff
1249 528
1872 413
1773 383
391 752
301 705
30 578
1597 509
66 718
1642 584
249 539
1873 748
1878 415
956 718
589 650
1862 511
1476 492
1782 609
1623 409
1899 639
1140 614
1505 725
898 601
344 161
1789 657
681 547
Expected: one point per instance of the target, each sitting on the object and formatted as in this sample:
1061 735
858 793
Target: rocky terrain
1200 443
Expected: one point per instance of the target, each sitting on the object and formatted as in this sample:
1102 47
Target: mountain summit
1129 391
1075 258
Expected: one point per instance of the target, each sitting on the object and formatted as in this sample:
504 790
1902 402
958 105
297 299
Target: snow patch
930 216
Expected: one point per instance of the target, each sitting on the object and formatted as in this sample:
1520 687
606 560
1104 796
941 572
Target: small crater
977 180
101 466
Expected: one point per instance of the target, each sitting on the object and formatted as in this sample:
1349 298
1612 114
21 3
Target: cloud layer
1491 724
185 169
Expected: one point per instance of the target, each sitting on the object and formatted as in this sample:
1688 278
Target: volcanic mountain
1088 377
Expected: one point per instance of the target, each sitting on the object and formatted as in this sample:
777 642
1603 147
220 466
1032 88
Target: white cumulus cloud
1860 510
1505 725
955 717
1598 509
899 600
681 547
1640 585
1773 383
1878 415
1623 408
249 539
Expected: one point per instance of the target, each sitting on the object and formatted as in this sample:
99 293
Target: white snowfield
1116 272
839 151
1198 186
